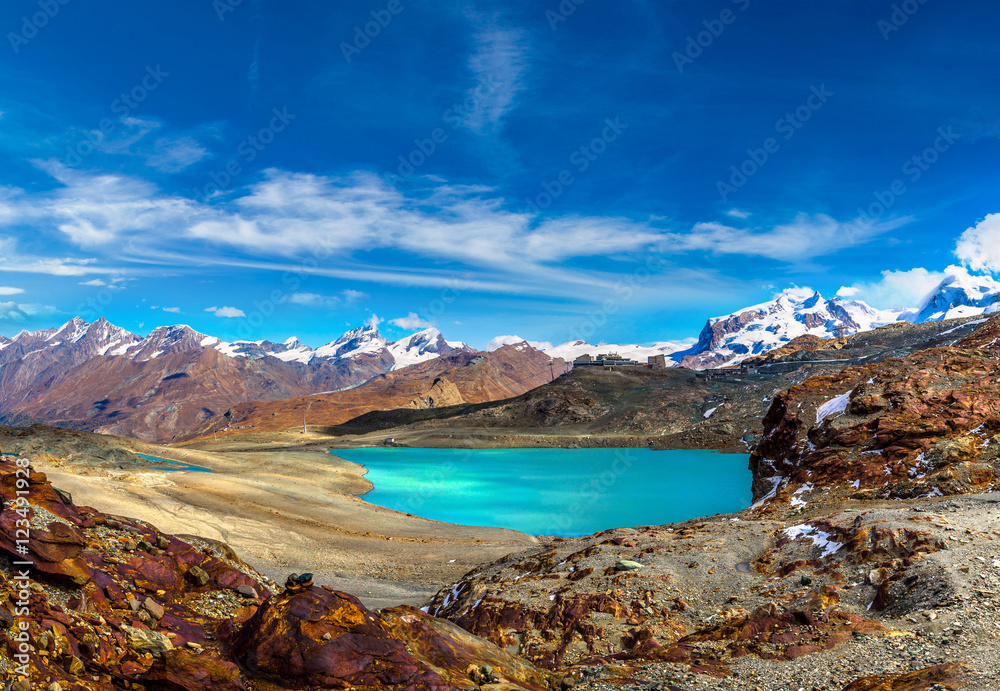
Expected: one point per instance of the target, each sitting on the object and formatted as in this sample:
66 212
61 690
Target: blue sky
615 171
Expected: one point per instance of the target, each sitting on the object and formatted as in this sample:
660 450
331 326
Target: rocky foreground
870 562
726 602
112 603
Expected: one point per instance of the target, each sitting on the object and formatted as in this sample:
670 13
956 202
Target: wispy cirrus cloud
498 64
329 225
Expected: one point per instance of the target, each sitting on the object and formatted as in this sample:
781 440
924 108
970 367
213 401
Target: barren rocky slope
113 603
457 378
672 408
850 573
924 424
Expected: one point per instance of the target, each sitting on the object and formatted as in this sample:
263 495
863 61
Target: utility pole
304 417
552 371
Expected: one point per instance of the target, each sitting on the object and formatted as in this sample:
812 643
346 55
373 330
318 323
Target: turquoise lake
179 464
565 492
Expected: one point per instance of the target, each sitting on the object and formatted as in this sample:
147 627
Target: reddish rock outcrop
926 424
939 676
112 603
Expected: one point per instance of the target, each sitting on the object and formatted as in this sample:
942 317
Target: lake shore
296 511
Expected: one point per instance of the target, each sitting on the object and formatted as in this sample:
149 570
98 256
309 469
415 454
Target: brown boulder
183 670
920 680
318 638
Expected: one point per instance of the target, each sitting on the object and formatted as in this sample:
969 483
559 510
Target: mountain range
100 377
731 338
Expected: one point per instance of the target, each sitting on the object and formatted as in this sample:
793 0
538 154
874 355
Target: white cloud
737 213
309 299
353 295
175 310
112 283
411 322
226 311
174 155
314 224
896 288
345 297
373 320
498 64
979 247
805 237
7 290
11 311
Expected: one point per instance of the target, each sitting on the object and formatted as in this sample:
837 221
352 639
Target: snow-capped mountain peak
165 340
422 346
731 338
960 294
364 340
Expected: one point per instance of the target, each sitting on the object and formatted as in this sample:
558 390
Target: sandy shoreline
294 511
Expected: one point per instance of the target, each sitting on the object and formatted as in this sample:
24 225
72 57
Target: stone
142 641
198 576
162 542
626 565
74 665
247 591
153 607
187 670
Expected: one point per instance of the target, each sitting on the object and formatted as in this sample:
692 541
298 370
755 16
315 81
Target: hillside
99 377
670 408
457 378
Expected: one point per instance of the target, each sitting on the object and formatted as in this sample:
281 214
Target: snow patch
819 538
835 406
